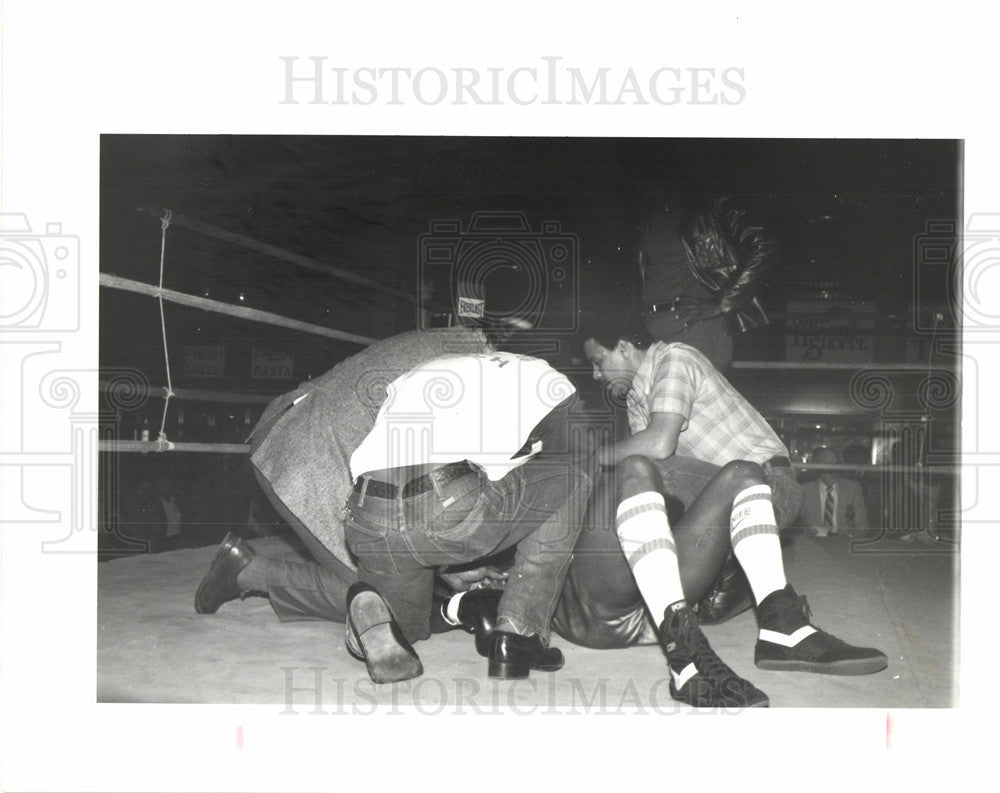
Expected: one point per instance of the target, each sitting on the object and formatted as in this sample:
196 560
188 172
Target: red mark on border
888 729
239 737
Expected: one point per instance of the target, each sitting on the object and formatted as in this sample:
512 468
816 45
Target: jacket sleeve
758 254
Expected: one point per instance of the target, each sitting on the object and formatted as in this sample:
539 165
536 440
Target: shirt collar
645 370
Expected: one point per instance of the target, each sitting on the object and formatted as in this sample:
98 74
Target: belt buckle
660 308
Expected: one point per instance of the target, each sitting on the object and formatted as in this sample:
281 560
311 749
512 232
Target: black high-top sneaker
697 675
730 595
789 642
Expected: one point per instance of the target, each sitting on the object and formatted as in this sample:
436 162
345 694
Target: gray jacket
306 454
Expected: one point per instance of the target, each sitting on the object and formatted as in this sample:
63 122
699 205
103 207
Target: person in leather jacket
701 263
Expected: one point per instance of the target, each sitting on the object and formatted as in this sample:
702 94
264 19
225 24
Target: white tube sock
754 533
648 544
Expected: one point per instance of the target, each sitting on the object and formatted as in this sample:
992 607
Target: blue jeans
399 542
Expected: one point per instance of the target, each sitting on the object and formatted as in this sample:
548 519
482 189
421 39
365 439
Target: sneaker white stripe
685 674
784 639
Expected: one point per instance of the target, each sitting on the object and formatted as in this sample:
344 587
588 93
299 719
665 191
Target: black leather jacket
729 257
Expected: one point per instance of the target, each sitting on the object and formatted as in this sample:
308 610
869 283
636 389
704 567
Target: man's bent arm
657 442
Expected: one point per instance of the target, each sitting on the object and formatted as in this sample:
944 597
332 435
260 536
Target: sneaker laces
709 664
786 613
686 641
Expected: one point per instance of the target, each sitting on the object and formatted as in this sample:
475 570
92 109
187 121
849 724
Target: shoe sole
225 547
387 661
723 700
764 703
500 670
507 670
865 666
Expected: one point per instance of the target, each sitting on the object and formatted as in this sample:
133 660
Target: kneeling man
451 473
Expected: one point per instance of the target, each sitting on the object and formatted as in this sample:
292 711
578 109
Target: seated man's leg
701 532
697 677
787 640
601 605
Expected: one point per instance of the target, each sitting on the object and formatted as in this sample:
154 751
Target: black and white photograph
434 395
262 295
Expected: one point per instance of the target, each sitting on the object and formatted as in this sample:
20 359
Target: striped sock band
648 545
754 533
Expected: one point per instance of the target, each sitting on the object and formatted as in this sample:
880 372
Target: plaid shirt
720 425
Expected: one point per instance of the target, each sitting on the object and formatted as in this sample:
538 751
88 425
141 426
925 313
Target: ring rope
111 281
200 395
164 225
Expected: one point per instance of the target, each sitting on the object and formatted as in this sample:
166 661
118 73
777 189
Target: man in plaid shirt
695 438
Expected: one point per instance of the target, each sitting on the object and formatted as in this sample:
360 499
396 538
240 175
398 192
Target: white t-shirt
481 408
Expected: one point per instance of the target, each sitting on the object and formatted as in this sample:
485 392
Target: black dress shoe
477 611
477 614
219 584
730 595
512 656
376 638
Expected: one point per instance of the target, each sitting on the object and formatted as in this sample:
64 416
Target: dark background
854 219
847 215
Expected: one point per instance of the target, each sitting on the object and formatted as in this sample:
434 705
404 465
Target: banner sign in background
268 365
830 331
204 361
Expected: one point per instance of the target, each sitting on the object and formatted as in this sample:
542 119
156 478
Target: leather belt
780 461
443 475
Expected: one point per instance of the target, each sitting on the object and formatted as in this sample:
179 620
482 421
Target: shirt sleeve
675 383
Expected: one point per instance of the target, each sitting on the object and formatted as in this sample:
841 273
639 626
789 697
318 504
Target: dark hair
610 328
821 450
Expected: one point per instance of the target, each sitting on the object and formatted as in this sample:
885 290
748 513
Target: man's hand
689 310
485 577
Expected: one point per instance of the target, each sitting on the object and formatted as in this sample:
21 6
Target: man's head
825 455
615 366
615 349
